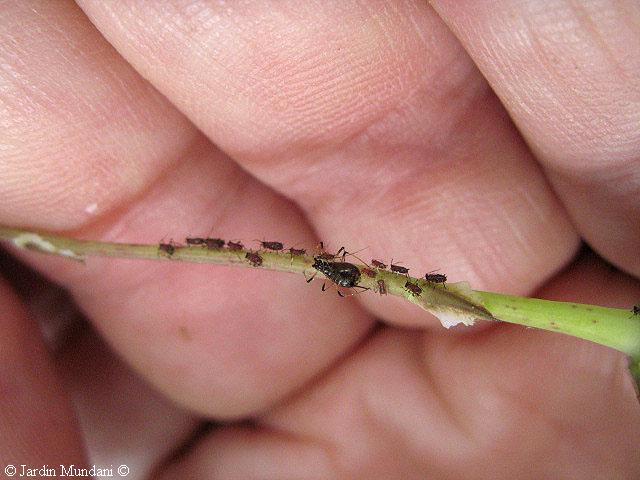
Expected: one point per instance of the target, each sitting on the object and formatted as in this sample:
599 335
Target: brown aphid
275 246
398 268
194 241
214 243
235 245
382 288
368 272
435 277
296 251
413 288
378 264
254 259
324 255
167 248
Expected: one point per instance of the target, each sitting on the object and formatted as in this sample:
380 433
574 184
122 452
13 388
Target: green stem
452 303
613 327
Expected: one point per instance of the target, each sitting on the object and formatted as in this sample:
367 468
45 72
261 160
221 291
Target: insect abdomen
341 273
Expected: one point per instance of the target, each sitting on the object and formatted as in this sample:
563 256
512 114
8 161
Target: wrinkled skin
484 139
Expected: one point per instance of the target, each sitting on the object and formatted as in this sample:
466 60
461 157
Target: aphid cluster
210 243
413 288
332 265
254 258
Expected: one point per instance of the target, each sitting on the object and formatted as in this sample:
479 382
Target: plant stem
451 303
613 327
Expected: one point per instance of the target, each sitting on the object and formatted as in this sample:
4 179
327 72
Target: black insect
275 246
436 277
167 248
343 274
214 243
235 245
398 268
382 288
378 264
636 309
296 251
254 259
413 288
194 241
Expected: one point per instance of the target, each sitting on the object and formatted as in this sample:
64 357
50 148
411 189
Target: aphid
194 241
343 274
254 259
295 251
435 277
413 288
636 309
214 243
324 255
378 264
275 246
398 268
368 272
235 245
382 288
167 248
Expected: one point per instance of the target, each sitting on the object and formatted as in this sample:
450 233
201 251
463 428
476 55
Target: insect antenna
352 254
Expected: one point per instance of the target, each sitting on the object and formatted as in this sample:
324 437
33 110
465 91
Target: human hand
371 125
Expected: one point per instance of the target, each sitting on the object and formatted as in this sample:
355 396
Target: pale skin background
482 138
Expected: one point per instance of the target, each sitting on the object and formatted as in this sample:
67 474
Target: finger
82 132
569 74
213 339
217 339
396 411
383 131
251 453
407 405
123 420
444 405
37 420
